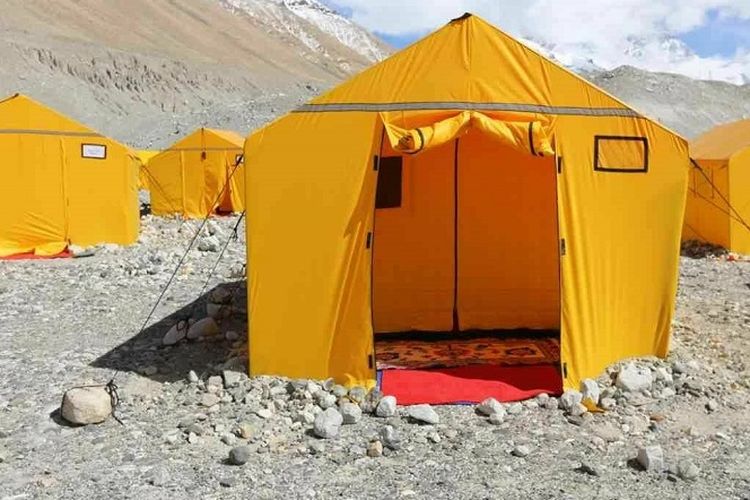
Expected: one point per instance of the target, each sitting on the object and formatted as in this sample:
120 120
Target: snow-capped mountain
316 26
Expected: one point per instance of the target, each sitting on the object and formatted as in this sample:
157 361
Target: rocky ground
71 322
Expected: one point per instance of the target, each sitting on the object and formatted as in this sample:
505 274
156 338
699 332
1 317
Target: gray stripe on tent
48 132
469 106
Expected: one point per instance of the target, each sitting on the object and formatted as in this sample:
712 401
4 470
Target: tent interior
465 276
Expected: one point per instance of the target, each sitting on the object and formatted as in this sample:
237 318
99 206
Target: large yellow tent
718 203
61 183
197 175
464 183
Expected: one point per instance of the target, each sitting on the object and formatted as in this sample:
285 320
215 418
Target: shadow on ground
145 352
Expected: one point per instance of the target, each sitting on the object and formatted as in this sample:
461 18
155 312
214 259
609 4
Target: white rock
590 390
551 404
193 377
687 470
570 399
521 451
203 328
208 400
176 333
423 413
305 417
608 403
515 409
490 406
375 449
662 374
325 400
209 244
496 418
390 437
328 423
386 407
634 379
86 405
578 410
351 413
651 458
264 413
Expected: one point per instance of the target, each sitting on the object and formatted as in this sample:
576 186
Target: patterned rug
417 354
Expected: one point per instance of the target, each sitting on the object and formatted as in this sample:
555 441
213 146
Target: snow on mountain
314 25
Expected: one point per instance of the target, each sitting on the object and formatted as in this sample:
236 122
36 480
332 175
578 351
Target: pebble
357 394
590 390
175 334
687 470
203 328
712 405
264 413
231 335
232 378
490 406
328 423
193 377
351 413
325 400
586 468
578 410
552 404
390 438
570 398
386 407
339 391
423 414
651 458
375 449
607 403
515 409
632 378
209 400
245 430
521 451
227 482
86 405
496 418
209 244
240 455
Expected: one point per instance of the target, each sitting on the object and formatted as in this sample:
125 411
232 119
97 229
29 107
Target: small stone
351 413
86 405
570 399
542 398
386 407
651 458
435 437
218 311
328 384
227 482
209 244
208 400
687 470
424 414
339 391
325 400
220 295
159 477
205 327
194 429
244 430
228 439
590 390
328 423
317 448
232 378
521 451
607 403
661 374
150 370
712 405
585 468
634 379
308 418
515 409
578 410
375 449
552 404
390 437
176 333
193 438
357 394
193 377
496 418
231 335
264 413
240 455
490 406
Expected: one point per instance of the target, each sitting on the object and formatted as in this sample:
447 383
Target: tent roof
461 66
722 142
211 138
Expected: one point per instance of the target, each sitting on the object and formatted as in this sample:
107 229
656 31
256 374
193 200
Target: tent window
620 154
388 194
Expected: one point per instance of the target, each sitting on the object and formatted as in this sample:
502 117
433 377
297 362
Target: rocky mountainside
171 66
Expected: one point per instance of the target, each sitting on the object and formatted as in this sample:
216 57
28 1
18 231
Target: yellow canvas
62 183
464 183
198 175
718 203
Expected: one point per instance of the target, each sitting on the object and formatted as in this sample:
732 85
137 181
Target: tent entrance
466 265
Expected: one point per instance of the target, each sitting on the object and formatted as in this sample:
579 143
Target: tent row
64 183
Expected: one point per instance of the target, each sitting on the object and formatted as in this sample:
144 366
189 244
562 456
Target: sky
707 39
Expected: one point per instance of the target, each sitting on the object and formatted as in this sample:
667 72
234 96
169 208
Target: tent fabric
144 156
198 175
62 183
478 232
718 202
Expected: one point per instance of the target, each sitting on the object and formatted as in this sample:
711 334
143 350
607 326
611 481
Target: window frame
600 168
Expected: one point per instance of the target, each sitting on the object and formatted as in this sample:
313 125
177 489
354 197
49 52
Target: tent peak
465 15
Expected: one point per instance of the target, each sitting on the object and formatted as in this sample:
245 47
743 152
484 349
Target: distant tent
61 183
189 178
144 156
718 204
464 184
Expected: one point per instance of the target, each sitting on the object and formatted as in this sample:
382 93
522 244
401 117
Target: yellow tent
465 183
61 183
144 155
189 178
718 203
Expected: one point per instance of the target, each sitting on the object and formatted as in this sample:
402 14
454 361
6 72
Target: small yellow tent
61 183
465 183
144 155
199 174
718 203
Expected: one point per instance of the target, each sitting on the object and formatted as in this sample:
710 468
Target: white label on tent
96 151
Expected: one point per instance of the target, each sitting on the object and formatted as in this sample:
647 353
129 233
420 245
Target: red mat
470 384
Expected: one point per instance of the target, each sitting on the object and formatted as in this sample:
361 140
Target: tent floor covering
444 368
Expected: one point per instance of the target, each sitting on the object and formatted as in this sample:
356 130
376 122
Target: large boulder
86 405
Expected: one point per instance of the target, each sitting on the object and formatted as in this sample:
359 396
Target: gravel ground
75 321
